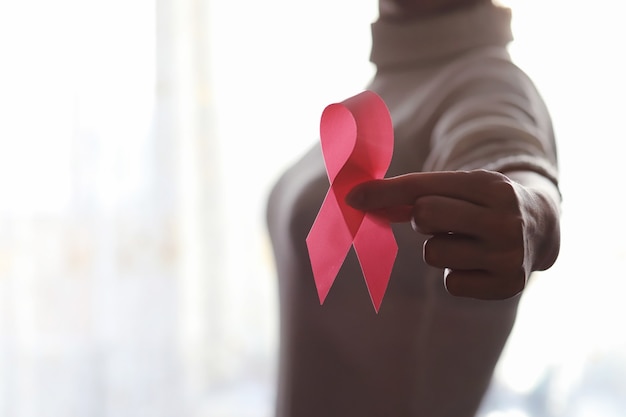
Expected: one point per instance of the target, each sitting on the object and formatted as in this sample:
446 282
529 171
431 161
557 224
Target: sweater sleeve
495 119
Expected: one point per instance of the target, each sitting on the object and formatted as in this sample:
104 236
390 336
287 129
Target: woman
475 158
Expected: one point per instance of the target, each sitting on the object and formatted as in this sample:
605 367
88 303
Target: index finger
405 189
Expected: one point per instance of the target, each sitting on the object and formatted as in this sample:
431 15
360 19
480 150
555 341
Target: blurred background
138 142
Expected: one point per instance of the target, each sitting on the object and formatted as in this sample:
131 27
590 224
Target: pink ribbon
357 144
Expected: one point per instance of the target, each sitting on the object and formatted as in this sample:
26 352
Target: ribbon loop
357 144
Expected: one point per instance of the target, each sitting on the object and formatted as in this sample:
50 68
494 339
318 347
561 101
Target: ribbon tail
328 244
376 248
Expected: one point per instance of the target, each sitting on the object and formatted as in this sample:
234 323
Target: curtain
110 302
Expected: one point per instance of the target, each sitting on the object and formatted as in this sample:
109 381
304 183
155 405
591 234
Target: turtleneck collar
437 37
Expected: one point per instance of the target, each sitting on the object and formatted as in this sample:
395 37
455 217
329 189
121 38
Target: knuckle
504 194
495 187
510 263
507 257
512 230
485 175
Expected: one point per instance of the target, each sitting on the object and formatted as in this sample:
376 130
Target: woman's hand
488 231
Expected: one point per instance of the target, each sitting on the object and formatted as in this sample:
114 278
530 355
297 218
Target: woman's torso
425 353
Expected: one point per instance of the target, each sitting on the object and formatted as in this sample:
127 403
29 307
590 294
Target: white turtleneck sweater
457 102
450 84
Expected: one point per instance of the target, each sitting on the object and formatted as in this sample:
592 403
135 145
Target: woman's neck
407 10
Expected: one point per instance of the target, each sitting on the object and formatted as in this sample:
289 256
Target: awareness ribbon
357 144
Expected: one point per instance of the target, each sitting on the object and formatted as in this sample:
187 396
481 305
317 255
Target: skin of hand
488 230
